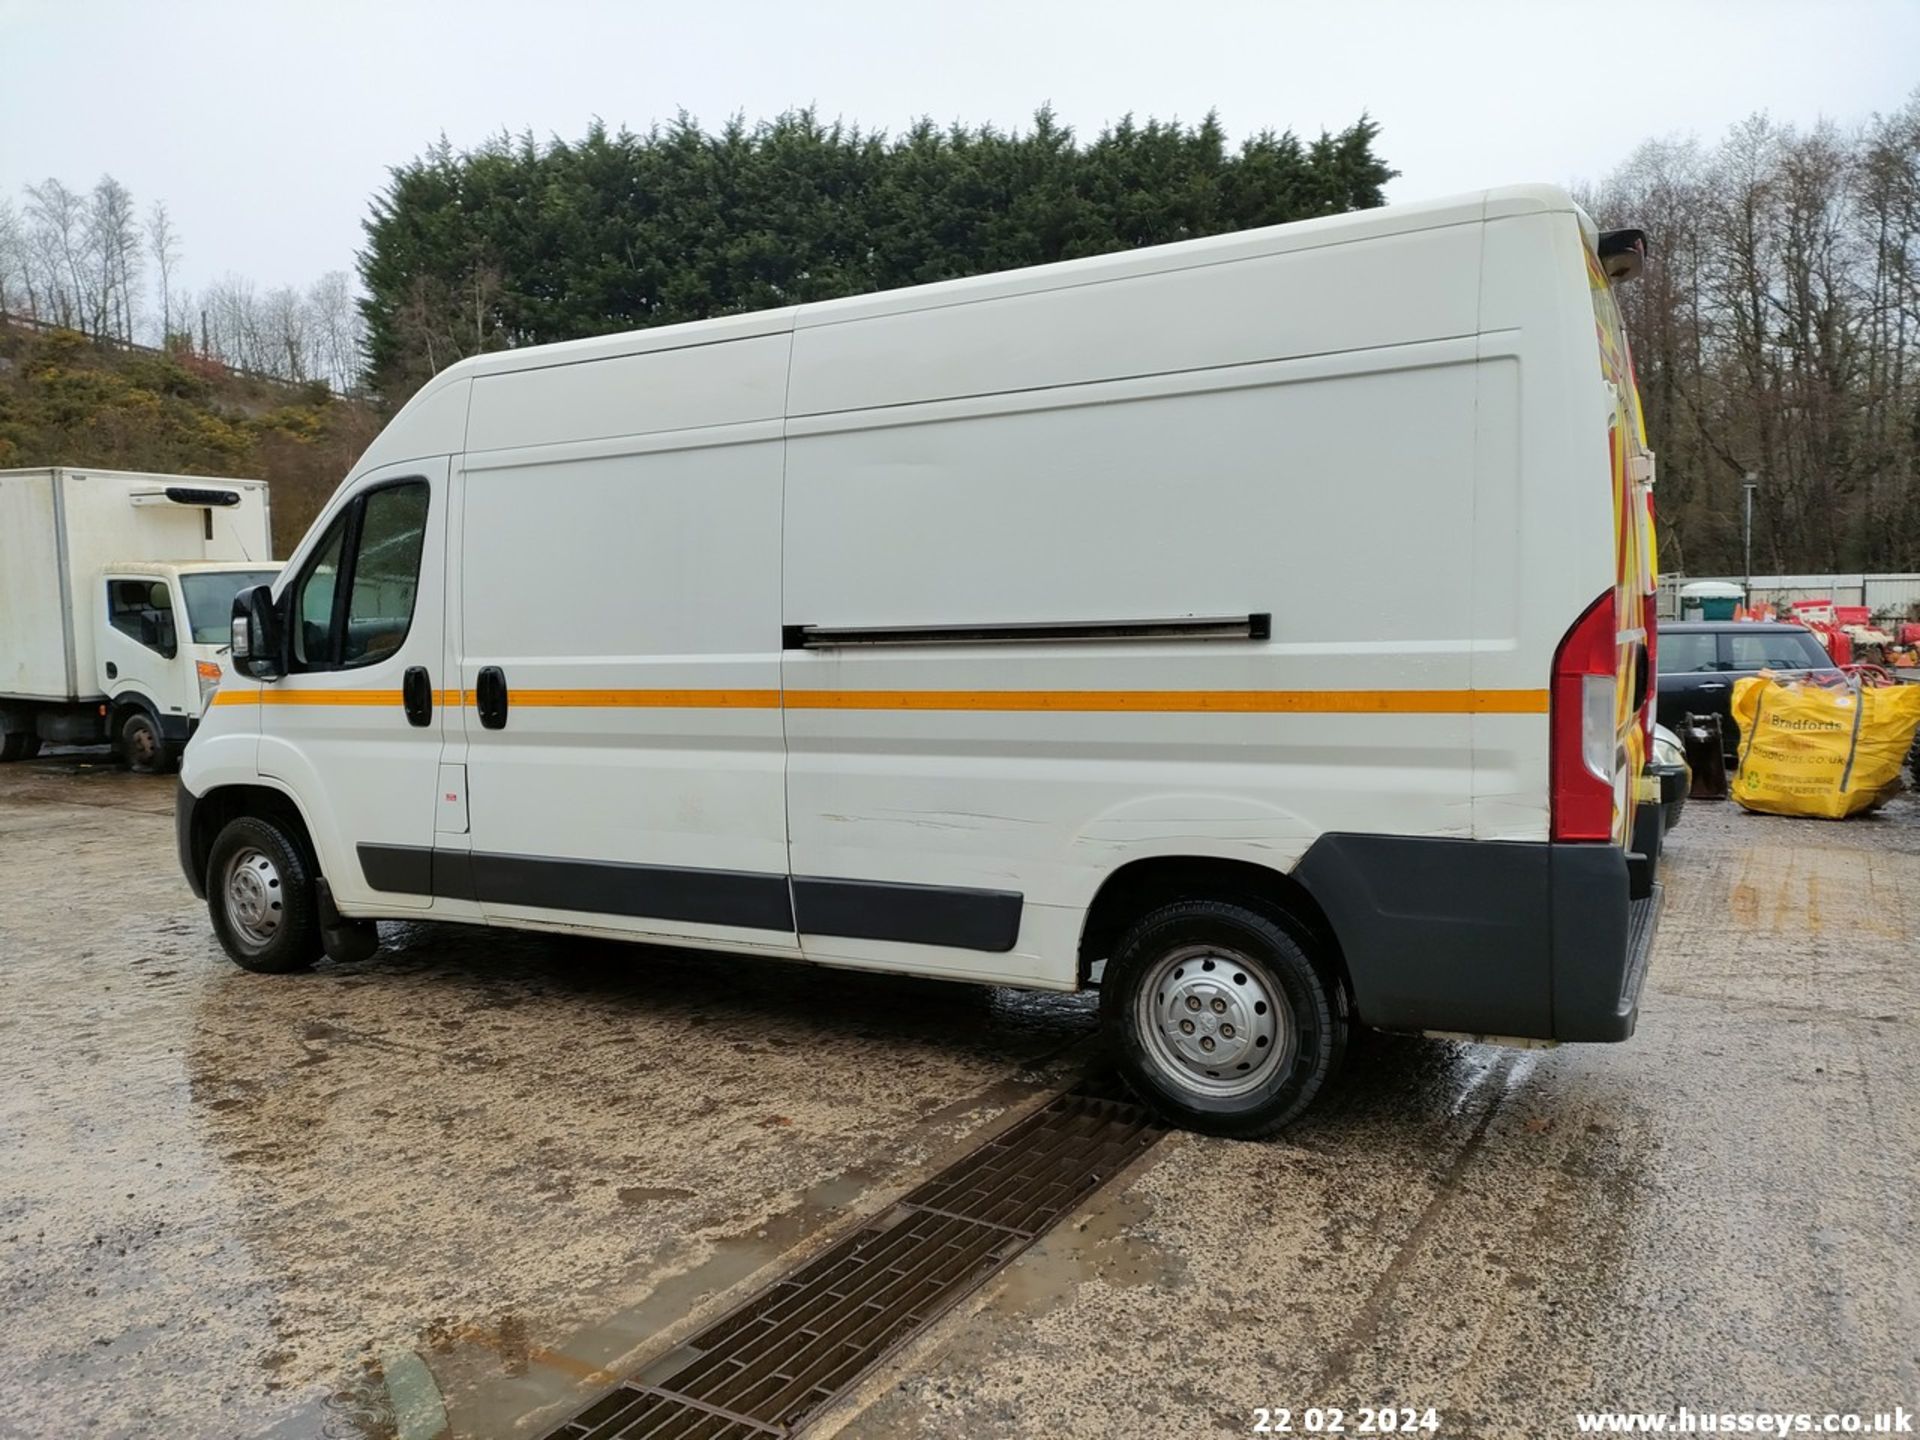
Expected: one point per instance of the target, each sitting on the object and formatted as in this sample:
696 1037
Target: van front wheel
260 895
141 748
1220 1019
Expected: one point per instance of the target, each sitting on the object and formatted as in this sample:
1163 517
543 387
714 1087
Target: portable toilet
1710 600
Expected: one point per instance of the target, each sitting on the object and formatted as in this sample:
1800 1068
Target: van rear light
1582 747
1597 700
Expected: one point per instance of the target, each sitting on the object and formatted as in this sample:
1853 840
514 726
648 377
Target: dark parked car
1700 660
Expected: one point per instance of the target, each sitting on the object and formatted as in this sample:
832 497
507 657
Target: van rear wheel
17 740
1220 1019
261 897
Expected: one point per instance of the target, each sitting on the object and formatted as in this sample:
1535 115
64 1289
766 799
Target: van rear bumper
1486 937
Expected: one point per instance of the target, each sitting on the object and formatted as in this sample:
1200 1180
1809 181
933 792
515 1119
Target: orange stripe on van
330 697
1144 702
268 696
644 699
325 697
1266 702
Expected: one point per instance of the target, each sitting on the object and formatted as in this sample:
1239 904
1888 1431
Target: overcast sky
267 124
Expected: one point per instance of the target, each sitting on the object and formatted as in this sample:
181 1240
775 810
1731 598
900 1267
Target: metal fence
1889 597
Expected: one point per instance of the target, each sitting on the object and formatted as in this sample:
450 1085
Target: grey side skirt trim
950 916
918 914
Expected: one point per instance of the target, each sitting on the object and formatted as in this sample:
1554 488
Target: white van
1255 627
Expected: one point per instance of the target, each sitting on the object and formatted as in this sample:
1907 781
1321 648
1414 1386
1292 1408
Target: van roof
1470 208
434 421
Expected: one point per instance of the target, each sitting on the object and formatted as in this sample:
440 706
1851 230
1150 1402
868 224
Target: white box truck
115 595
1008 630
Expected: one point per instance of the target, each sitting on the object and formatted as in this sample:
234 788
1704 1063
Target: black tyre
141 748
260 893
1913 763
1220 1018
17 743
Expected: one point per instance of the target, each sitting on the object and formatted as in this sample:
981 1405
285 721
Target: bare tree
284 329
16 282
1778 334
163 244
113 231
336 332
81 260
233 328
60 249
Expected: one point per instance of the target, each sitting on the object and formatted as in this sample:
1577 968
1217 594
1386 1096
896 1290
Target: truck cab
159 633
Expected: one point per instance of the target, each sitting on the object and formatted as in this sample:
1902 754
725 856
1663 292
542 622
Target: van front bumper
184 804
1503 939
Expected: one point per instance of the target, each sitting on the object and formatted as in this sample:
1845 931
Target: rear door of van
1631 465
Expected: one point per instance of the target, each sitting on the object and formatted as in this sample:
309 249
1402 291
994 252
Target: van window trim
354 514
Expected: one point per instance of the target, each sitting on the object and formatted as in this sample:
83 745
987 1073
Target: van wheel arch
127 702
216 809
1140 887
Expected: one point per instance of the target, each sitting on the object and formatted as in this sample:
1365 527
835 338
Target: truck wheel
17 744
260 894
141 748
1220 1019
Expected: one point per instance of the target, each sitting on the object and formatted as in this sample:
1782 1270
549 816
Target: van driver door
355 727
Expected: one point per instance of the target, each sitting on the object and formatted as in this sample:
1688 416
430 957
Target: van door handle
416 696
490 697
1713 684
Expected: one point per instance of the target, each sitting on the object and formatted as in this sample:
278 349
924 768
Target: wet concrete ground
456 1187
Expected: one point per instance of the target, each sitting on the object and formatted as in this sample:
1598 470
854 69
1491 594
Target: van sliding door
619 653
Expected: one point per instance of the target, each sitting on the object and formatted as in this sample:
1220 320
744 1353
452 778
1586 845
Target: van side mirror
257 639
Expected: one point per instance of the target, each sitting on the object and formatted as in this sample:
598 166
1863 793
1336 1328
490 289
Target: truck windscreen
209 598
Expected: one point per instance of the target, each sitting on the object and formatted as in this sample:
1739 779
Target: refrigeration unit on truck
1005 630
115 595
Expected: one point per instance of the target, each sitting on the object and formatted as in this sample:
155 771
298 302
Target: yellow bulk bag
1824 750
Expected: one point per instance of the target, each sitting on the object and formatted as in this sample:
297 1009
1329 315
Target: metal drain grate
767 1367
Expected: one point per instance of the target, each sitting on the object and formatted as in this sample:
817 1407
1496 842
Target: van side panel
631 602
1040 768
1395 290
684 389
